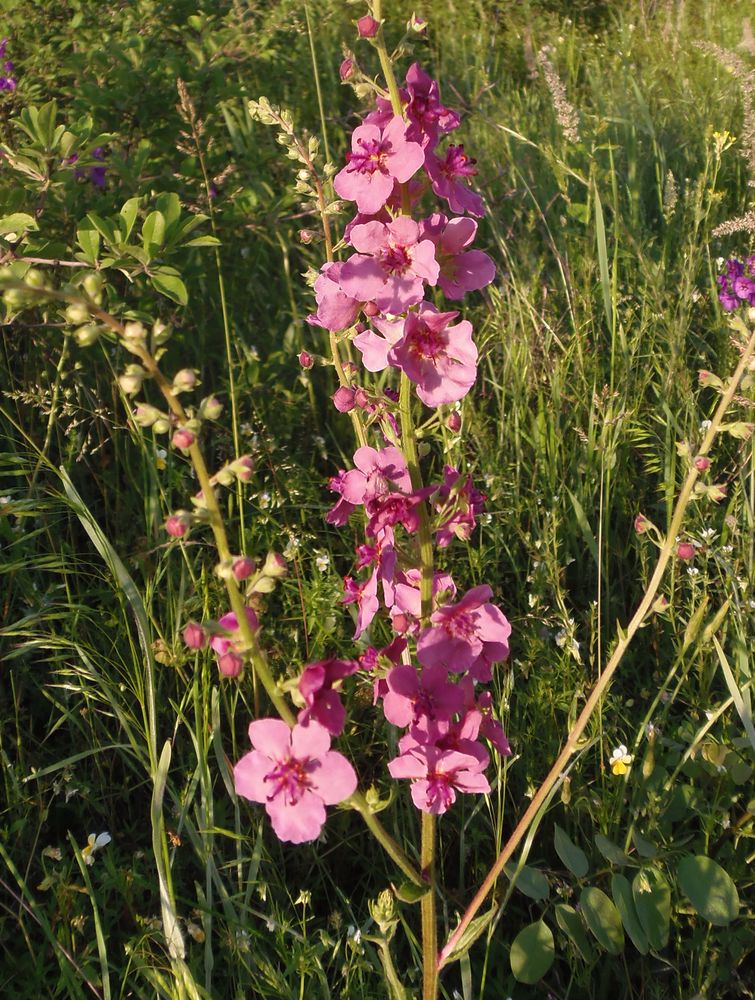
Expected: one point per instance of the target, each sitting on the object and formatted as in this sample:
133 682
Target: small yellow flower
94 843
620 760
160 459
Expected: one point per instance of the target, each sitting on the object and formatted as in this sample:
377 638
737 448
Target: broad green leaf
710 889
105 227
621 891
532 953
409 892
475 929
170 284
652 900
568 920
169 206
610 851
18 223
128 216
603 919
203 241
88 239
572 856
530 881
153 232
644 847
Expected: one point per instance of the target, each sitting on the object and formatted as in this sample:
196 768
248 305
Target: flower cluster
430 678
7 81
736 286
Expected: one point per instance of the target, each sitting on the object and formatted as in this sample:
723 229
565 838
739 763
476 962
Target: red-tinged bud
370 309
346 69
367 26
418 24
641 524
702 464
400 623
243 468
184 380
230 664
178 524
661 604
210 408
306 236
275 566
706 378
350 369
306 360
242 568
183 438
685 551
343 399
145 415
195 636
717 492
361 399
453 423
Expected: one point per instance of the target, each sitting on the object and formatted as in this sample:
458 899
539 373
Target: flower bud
306 236
306 360
242 568
361 399
224 476
717 492
343 399
34 278
702 464
262 585
641 524
661 605
87 335
178 524
93 285
145 415
370 309
417 24
210 408
243 468
161 332
367 26
383 911
346 69
685 551
275 566
134 332
706 378
183 439
194 636
161 425
184 380
131 380
230 664
453 422
350 369
76 313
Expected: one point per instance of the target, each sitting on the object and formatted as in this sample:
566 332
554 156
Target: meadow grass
591 338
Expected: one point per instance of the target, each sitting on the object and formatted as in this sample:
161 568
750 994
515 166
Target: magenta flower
335 309
428 695
461 270
223 644
376 474
445 180
378 157
457 504
295 774
364 595
407 603
468 635
391 265
322 703
342 511
428 118
437 775
375 346
439 358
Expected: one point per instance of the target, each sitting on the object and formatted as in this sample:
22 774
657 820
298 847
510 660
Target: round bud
230 664
242 569
194 636
702 463
87 335
183 438
77 313
453 422
367 26
184 380
685 551
305 360
178 524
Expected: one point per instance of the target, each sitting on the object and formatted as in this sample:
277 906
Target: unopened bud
161 425
641 524
343 399
243 468
161 332
34 278
183 438
349 369
706 378
306 360
146 415
178 524
184 380
702 463
306 236
383 911
453 422
717 492
93 285
370 309
230 664
131 380
262 585
661 605
210 408
76 313
417 24
134 331
346 69
367 26
242 568
361 399
194 636
685 551
275 566
87 335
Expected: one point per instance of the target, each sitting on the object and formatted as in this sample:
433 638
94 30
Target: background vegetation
604 309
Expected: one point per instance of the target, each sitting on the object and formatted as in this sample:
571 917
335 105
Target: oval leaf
603 919
572 856
568 920
17 223
652 900
532 953
610 851
172 286
153 232
530 881
621 891
710 889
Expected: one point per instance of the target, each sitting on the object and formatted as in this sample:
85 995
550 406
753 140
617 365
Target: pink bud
230 664
349 368
702 463
210 408
306 236
242 568
184 380
453 423
717 492
367 26
306 360
195 636
183 438
361 399
178 525
685 551
370 309
275 565
641 524
343 399
346 69
243 468
400 623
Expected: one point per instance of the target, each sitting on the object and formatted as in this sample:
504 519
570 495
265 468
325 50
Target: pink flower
407 603
444 178
396 508
342 511
428 118
194 636
390 266
457 504
346 69
461 270
335 309
242 568
322 702
437 775
343 399
468 635
439 358
375 348
183 439
230 664
222 644
376 474
178 524
295 774
429 695
378 157
365 596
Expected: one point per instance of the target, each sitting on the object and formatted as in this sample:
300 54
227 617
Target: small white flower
95 842
620 760
322 562
264 500
693 571
4 500
704 425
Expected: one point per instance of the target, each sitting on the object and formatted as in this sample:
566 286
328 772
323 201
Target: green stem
625 638
409 445
427 907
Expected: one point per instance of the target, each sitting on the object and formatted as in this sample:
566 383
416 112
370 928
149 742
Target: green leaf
17 223
168 282
603 919
105 227
532 953
568 920
169 206
128 216
203 241
572 856
475 929
643 847
652 900
710 889
621 891
610 851
530 881
410 892
88 239
153 232
584 527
